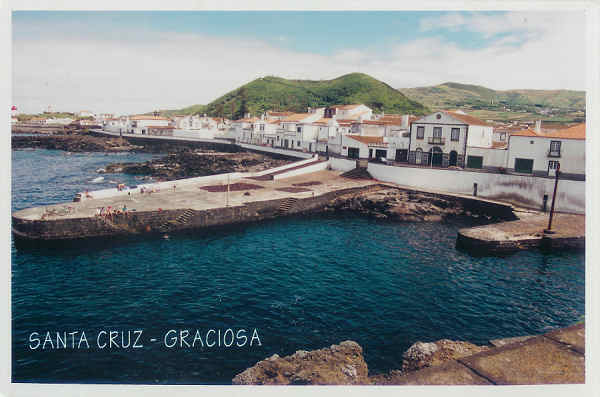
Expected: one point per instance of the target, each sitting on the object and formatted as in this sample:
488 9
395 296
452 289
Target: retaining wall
304 170
151 221
521 190
269 149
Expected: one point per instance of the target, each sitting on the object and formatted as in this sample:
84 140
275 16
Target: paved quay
195 196
557 357
568 231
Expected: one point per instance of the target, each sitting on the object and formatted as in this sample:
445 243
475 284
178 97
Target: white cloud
128 73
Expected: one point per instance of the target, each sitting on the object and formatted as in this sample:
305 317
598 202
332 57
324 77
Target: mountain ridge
280 94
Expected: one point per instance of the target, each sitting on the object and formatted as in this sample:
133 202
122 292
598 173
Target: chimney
404 122
538 126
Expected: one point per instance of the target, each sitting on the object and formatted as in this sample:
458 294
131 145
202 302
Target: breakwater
169 220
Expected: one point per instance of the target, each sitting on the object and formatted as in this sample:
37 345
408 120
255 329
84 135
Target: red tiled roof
250 120
499 145
346 107
295 117
279 113
377 140
160 127
468 119
575 132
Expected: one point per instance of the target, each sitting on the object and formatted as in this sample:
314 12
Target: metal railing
436 140
553 153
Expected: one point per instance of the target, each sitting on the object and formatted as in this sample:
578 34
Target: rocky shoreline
344 364
409 206
75 142
192 164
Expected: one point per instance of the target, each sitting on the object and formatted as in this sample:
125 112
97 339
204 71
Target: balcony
554 153
436 140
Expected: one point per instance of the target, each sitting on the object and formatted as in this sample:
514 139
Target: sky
139 61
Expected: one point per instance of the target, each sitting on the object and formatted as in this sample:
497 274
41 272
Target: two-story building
348 112
297 132
540 152
139 124
440 139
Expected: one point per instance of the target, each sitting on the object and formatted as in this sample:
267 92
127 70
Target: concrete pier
185 206
525 233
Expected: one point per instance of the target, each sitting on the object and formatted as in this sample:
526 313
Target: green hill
509 104
278 94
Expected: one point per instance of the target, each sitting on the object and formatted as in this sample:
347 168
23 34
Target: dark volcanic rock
402 205
341 364
192 164
72 143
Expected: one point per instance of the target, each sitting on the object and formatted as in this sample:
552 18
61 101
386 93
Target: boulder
421 355
341 364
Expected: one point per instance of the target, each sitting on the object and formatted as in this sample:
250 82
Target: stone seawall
168 220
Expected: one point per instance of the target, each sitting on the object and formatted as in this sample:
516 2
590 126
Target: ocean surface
292 284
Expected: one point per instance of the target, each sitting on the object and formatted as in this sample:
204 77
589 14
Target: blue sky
318 32
194 57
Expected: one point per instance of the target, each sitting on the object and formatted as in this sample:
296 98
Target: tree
244 103
220 110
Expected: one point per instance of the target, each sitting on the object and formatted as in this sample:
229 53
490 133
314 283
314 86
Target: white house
139 124
296 131
349 112
440 139
265 131
540 152
243 129
115 125
364 147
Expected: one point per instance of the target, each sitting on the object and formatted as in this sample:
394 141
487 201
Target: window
298 143
299 129
420 132
524 165
262 127
474 161
455 134
552 165
503 136
438 116
437 132
554 149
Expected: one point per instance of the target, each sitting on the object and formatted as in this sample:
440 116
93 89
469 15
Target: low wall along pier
524 191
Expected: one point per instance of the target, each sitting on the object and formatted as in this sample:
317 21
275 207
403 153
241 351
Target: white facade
441 138
139 124
544 152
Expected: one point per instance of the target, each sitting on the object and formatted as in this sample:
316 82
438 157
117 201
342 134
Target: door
453 159
379 154
402 155
353 152
552 167
524 166
435 159
370 153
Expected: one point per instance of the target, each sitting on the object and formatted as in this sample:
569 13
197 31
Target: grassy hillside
558 105
275 93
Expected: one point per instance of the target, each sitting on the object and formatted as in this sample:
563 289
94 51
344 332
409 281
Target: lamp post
549 229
